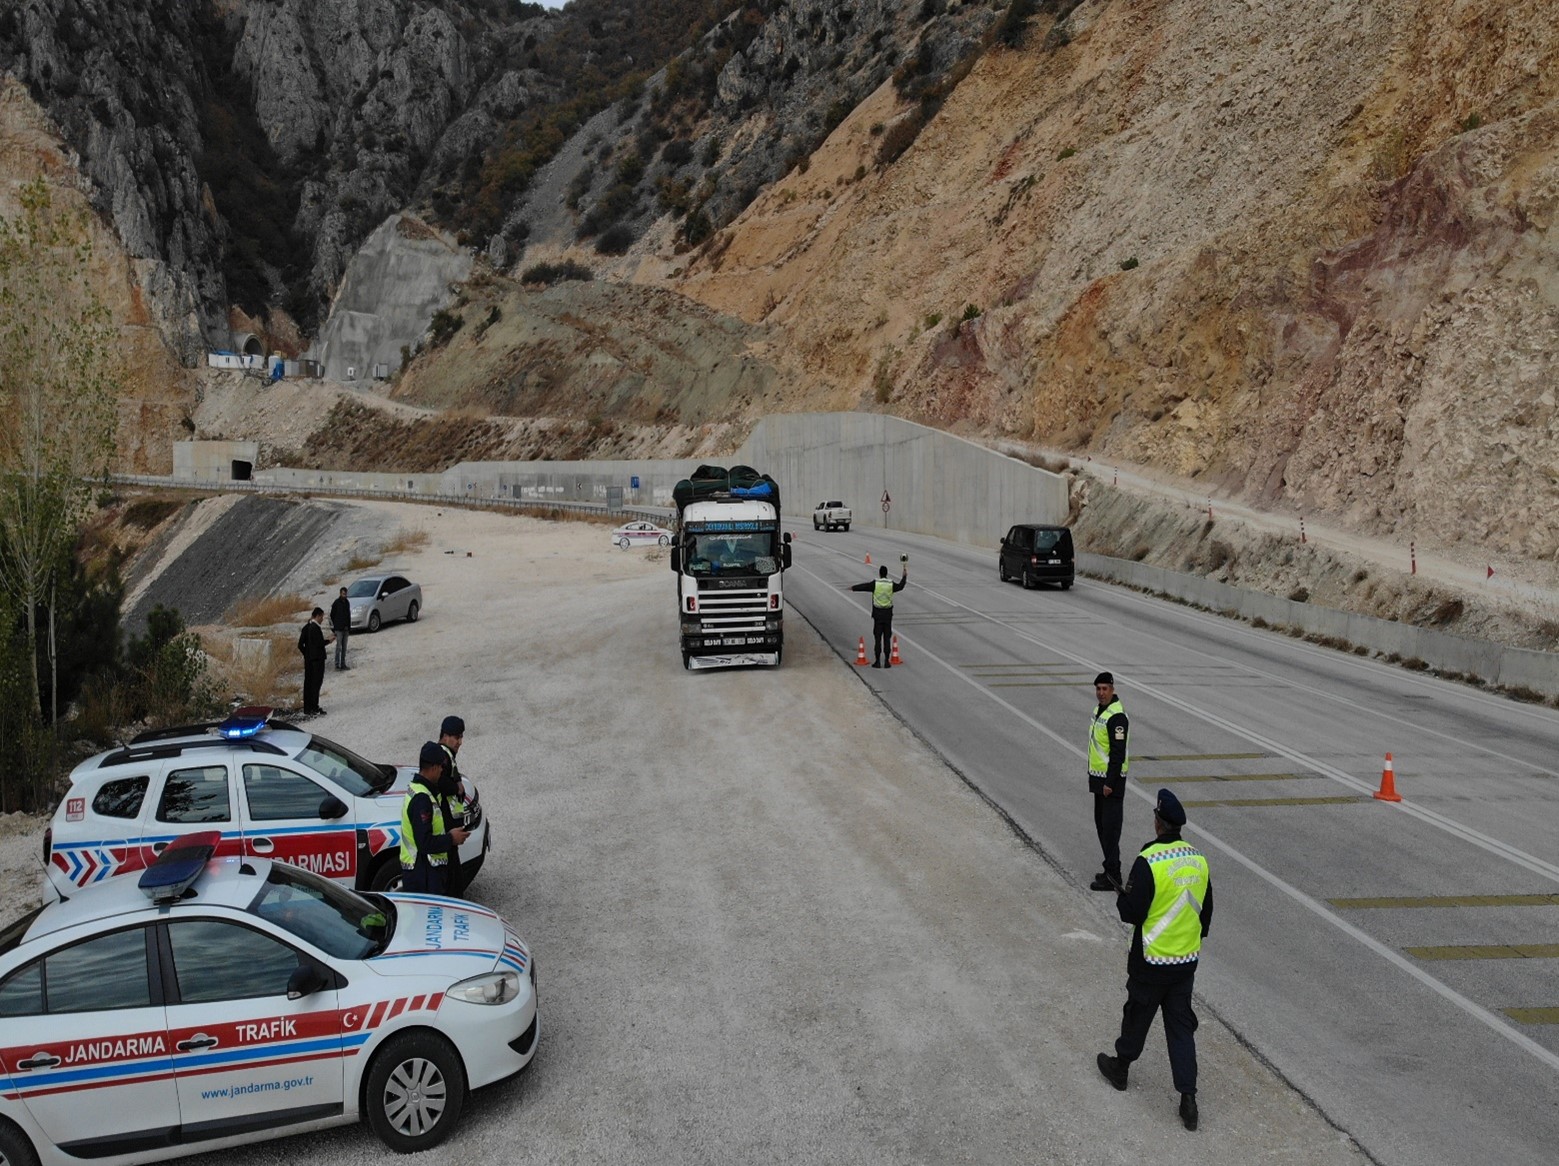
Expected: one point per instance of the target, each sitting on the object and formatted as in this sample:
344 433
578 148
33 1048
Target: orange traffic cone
1388 782
868 558
894 659
860 653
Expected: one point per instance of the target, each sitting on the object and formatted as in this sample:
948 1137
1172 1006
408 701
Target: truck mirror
785 554
676 560
787 536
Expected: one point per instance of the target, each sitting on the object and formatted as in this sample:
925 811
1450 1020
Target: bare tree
59 388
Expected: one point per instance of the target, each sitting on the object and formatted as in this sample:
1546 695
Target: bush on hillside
551 273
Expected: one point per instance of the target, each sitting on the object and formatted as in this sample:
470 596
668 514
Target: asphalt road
1413 1017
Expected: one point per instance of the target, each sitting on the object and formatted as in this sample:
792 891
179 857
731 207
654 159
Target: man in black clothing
341 624
451 734
1169 881
1107 764
433 843
883 589
311 642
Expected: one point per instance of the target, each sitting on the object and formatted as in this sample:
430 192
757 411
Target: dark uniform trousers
882 632
1143 1001
1108 814
426 878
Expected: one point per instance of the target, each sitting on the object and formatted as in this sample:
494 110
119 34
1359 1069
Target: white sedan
641 534
214 1002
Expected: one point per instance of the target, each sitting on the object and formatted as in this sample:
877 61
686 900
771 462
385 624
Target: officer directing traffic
1107 765
883 589
427 846
1168 900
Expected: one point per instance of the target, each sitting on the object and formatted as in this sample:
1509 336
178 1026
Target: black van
1038 554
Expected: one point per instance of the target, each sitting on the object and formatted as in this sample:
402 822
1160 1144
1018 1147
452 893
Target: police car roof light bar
245 722
176 868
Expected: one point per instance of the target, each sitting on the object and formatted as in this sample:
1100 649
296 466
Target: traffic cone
868 558
893 659
1388 781
860 653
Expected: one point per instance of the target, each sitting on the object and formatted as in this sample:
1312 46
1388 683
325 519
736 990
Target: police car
213 1002
273 790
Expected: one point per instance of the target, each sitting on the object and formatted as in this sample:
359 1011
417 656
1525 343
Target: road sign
886 502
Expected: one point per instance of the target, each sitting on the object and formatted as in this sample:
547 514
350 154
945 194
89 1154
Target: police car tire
386 876
665 540
411 612
373 621
15 1149
424 1057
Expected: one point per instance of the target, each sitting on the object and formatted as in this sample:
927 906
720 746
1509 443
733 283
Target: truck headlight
490 988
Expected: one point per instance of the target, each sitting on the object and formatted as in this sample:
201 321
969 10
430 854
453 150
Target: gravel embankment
770 925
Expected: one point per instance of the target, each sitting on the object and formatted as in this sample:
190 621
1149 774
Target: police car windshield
352 773
332 918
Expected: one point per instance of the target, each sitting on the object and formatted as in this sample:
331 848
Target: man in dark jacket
451 733
883 589
429 844
341 624
311 642
1168 900
1108 761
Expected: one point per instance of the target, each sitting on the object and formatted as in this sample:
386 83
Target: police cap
1169 809
1105 678
452 727
432 754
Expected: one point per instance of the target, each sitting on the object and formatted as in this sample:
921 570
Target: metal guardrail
470 500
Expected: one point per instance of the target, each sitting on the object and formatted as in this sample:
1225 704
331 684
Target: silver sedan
382 599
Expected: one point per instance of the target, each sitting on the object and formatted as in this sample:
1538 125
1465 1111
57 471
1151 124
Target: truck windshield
750 552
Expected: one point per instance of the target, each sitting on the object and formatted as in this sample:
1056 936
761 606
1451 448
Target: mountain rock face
1304 250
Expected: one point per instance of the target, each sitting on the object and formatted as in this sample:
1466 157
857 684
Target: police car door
87 1048
291 817
191 798
245 1056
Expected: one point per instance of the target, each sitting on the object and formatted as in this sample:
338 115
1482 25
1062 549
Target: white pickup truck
831 516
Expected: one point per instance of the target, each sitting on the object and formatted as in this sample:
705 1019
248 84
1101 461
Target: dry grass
268 611
405 540
269 676
362 562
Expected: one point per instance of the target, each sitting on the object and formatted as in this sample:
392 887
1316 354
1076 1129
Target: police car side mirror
676 560
331 808
304 981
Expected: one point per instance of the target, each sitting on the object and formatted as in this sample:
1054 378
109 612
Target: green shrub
971 312
1129 264
551 273
615 240
1065 154
933 320
443 327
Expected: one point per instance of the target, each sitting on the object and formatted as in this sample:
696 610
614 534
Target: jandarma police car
213 1002
273 791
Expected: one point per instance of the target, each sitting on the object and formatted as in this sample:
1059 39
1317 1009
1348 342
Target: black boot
1114 1070
1103 882
1188 1112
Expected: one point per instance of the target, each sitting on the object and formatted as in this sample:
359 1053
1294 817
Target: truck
729 557
831 516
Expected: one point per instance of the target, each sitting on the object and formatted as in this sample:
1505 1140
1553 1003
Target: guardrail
471 500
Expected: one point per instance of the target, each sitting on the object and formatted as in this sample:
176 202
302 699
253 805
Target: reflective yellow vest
1099 741
408 839
882 593
1172 932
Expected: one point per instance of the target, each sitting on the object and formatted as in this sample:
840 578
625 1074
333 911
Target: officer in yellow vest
426 845
1108 761
1168 900
883 590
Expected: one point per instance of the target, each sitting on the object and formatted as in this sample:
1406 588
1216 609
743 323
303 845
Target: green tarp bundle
738 481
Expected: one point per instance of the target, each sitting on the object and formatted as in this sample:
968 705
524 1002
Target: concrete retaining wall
938 484
1511 667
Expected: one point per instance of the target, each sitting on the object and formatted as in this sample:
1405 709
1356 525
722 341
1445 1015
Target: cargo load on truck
709 482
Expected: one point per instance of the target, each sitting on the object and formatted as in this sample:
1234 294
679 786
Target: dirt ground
769 923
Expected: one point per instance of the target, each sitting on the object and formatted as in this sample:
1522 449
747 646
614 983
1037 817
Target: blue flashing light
177 867
245 722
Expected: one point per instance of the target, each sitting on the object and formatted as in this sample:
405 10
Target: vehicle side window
396 584
102 973
1064 544
225 961
1012 537
121 798
196 795
22 993
275 793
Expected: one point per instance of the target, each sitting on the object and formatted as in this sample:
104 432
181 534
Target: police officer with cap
428 841
1168 900
883 590
1108 762
451 733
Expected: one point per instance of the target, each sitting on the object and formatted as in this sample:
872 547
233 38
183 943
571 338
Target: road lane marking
1396 902
1489 1019
1175 778
1487 951
1533 1015
1332 800
1202 757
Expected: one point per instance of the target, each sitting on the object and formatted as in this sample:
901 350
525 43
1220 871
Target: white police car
218 1001
273 790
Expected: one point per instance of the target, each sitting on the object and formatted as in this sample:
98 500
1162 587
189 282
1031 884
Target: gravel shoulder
769 923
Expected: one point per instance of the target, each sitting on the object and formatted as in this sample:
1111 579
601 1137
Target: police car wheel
665 540
623 542
416 1089
373 621
386 877
15 1149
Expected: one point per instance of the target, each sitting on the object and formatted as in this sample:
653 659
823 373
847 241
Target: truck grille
733 611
